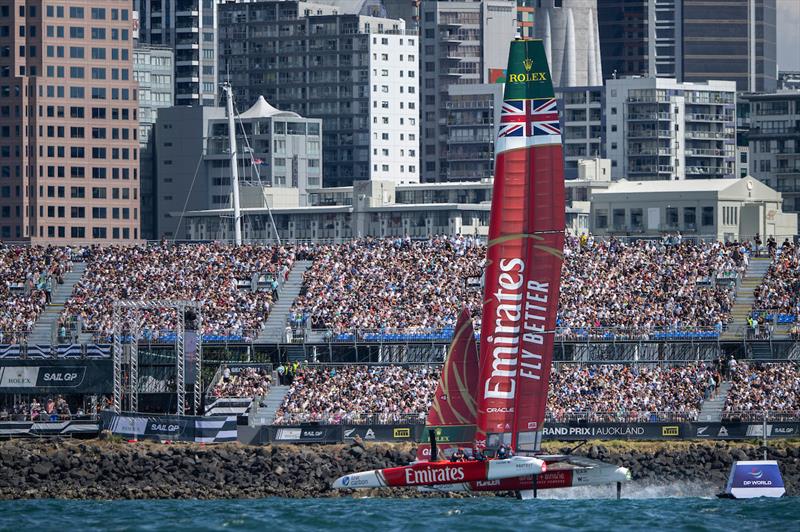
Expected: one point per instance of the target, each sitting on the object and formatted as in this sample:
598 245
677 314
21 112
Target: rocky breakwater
115 470
705 464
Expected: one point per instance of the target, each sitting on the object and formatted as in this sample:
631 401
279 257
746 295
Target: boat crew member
502 452
458 456
477 454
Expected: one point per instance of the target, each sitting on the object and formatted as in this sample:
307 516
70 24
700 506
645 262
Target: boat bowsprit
439 473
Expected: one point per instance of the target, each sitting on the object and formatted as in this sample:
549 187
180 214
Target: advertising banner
307 434
56 376
745 431
199 429
615 431
380 432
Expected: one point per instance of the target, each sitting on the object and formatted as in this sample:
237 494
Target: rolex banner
56 376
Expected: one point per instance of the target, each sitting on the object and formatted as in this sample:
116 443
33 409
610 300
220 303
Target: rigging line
249 149
188 195
254 167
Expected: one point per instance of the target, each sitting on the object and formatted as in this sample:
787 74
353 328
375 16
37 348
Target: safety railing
761 415
352 418
445 334
593 416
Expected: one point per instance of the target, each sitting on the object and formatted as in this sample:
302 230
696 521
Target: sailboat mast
237 218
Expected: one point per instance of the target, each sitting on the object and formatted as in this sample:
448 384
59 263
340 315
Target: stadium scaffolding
129 313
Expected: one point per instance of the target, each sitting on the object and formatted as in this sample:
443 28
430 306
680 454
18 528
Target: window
672 217
707 216
75 232
690 218
601 218
619 219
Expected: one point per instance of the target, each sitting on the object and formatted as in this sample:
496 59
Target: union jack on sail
529 118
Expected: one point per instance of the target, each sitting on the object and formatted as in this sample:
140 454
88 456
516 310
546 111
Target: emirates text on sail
517 302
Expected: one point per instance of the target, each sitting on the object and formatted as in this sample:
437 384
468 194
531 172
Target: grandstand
369 394
396 299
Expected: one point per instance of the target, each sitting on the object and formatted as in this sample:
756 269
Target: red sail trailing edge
526 239
454 411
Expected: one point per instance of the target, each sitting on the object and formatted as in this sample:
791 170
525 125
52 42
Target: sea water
483 513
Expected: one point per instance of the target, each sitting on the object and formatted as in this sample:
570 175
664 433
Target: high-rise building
189 28
69 168
733 40
153 68
625 38
691 40
571 40
460 42
657 128
774 137
358 73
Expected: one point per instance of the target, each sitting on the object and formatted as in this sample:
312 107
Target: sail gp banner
56 376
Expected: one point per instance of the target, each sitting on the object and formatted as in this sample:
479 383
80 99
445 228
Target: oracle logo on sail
431 476
520 306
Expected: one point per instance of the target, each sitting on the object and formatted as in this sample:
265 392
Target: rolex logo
528 64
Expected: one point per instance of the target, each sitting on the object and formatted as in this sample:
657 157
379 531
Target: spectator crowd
630 393
385 394
756 388
371 284
354 394
641 287
50 409
28 277
646 285
247 382
779 292
218 276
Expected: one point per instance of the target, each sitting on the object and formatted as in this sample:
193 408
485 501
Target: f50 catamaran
498 396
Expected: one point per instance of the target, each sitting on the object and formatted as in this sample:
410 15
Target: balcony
709 135
696 152
648 116
651 152
696 117
469 155
707 171
477 139
649 134
469 104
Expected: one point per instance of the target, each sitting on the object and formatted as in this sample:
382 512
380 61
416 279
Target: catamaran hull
559 475
443 473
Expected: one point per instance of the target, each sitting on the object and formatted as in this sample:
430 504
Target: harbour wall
112 469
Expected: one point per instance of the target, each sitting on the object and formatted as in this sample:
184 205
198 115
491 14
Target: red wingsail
526 239
454 412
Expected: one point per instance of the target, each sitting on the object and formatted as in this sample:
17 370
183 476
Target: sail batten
526 239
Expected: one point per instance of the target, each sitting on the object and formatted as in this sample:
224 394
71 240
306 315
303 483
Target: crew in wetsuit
458 456
477 454
502 452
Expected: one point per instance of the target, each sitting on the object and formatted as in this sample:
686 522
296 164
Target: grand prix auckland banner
526 240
